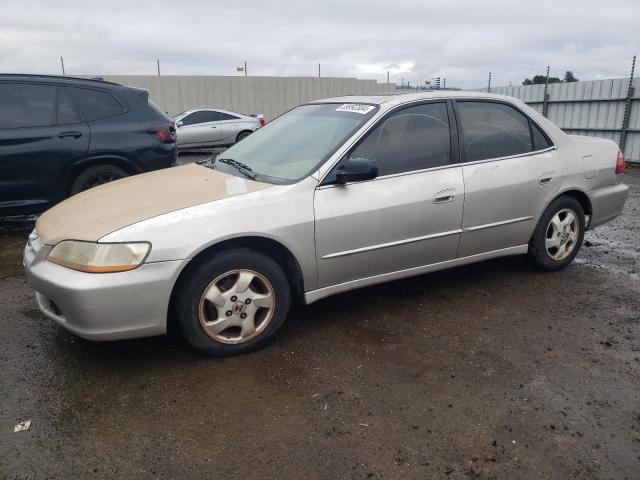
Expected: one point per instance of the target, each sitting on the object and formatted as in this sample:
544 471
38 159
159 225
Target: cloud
416 40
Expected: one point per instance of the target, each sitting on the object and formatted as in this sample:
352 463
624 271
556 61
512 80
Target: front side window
492 130
27 105
411 139
96 105
295 144
203 116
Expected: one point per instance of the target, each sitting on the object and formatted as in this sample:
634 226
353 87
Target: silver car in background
213 128
331 196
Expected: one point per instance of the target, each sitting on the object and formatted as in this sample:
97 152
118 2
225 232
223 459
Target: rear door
409 216
511 171
230 127
41 136
200 128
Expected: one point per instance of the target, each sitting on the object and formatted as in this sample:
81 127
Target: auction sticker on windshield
355 108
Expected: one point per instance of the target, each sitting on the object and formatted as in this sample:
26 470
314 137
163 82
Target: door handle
214 127
545 178
70 134
444 196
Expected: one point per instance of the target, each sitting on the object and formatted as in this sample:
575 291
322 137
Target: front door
511 171
409 216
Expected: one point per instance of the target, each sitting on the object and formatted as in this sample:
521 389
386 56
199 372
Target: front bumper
607 203
107 306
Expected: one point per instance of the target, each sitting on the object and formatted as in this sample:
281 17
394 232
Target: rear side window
200 117
95 104
66 113
493 130
27 105
411 139
226 116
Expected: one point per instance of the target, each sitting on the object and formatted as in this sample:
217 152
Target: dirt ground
491 371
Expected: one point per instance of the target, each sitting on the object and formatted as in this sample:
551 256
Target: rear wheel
242 136
233 302
94 176
558 235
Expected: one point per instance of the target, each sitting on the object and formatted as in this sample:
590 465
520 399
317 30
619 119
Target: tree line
542 79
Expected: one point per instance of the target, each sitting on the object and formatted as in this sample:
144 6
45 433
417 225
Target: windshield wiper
241 167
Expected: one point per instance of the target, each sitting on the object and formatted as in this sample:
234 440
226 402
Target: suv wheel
559 234
233 302
94 176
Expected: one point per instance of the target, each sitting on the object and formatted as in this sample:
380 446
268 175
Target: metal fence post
545 96
489 84
627 108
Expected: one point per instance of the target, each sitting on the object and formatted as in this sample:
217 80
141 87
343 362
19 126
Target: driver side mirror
356 170
179 123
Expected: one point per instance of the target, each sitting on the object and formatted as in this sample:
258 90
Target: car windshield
295 144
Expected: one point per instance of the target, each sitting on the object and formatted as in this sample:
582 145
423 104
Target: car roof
397 98
188 112
56 79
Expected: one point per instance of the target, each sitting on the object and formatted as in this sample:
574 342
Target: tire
215 311
550 236
94 176
242 135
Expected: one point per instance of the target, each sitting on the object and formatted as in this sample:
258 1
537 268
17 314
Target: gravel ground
487 371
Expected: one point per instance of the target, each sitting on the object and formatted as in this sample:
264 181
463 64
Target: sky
415 41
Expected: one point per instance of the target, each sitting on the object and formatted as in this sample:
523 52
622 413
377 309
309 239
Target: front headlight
99 257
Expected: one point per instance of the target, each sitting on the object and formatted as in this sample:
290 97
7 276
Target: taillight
620 163
262 121
166 132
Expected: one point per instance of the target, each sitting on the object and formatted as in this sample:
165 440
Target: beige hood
95 213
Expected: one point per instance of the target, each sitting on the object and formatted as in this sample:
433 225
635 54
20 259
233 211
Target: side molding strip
424 237
497 224
391 244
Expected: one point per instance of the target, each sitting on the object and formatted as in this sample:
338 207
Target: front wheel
558 235
233 302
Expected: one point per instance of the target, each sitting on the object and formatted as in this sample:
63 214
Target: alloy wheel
96 180
237 306
562 234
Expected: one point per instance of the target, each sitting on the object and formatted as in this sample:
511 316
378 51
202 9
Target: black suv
62 135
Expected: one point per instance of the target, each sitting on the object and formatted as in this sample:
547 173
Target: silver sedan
333 195
212 128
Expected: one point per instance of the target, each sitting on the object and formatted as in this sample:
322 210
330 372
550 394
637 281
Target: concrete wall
594 108
270 96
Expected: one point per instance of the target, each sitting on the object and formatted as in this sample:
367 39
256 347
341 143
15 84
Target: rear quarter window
95 104
540 140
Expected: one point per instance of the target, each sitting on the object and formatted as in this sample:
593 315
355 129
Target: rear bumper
108 306
607 203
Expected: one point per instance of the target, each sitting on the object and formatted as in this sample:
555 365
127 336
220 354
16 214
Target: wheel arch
576 193
115 160
243 131
265 245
